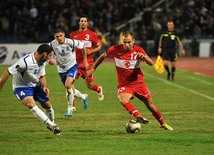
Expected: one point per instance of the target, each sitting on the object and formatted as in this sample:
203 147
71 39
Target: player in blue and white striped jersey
67 67
29 84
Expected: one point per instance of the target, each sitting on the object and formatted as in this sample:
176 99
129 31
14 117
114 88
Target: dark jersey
169 39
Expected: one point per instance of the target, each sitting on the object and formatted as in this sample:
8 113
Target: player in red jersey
128 57
92 45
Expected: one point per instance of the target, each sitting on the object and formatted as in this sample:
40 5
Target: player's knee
90 86
150 104
70 91
46 105
67 86
69 83
28 103
123 101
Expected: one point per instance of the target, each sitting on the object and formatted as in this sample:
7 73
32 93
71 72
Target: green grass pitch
187 104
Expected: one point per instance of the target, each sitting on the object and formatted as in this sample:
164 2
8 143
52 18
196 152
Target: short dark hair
170 21
84 16
44 48
126 33
57 30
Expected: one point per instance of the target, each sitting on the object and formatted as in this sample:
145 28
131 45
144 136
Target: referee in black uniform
167 47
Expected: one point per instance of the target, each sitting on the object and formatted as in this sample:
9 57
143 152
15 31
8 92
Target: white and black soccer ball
133 127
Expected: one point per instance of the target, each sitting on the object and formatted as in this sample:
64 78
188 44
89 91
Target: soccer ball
133 127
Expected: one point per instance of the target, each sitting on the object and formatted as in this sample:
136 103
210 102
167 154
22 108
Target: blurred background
32 21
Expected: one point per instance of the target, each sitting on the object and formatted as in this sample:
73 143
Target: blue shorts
72 72
37 93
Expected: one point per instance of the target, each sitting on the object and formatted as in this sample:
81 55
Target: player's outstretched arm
181 48
99 60
97 49
84 51
146 58
4 78
96 64
44 84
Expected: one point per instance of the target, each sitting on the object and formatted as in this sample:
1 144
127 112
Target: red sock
96 88
131 109
158 117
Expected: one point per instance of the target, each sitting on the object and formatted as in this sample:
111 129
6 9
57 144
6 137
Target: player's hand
89 52
183 52
90 72
145 58
86 65
159 50
141 56
51 62
46 90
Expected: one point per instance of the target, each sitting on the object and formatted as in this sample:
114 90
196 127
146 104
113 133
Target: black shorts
169 54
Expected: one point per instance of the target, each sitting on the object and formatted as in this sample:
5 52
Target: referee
167 47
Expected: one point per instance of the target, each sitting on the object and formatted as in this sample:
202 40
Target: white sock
79 94
70 98
50 113
41 115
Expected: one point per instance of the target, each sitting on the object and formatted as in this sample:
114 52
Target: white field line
182 87
202 81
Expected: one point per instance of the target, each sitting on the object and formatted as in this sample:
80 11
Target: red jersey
127 64
90 40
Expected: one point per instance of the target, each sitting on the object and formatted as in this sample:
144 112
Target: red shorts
83 73
137 90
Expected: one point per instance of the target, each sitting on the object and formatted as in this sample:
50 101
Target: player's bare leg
38 113
69 95
98 89
156 113
124 99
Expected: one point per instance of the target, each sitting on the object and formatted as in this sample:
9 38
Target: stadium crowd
33 21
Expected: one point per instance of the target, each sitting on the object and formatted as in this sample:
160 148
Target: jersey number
22 93
63 52
87 36
134 56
